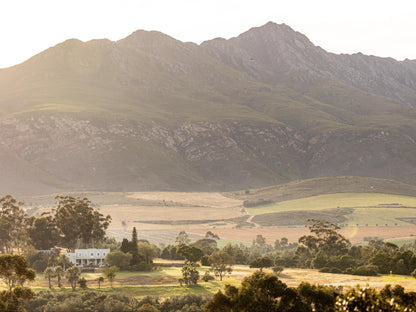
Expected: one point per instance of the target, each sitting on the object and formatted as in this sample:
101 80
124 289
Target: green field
370 209
343 200
141 284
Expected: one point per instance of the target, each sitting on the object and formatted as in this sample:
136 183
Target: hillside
328 185
149 112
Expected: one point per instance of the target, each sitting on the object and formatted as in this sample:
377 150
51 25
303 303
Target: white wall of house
88 257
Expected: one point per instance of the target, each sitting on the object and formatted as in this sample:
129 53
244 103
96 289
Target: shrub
366 270
82 282
207 277
257 202
142 266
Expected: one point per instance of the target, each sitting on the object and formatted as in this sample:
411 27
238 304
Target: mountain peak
143 38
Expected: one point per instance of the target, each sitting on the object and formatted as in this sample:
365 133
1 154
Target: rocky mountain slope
152 113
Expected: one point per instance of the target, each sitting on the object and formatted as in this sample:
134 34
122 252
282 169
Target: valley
159 216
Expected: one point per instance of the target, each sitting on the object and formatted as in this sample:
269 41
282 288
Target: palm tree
49 273
100 280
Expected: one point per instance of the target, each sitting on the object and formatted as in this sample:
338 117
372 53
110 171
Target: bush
82 282
330 270
366 270
256 202
141 267
119 258
207 277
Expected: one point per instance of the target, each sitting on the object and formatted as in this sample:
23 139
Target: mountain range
149 112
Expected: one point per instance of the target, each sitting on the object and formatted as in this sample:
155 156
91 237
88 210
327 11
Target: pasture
164 281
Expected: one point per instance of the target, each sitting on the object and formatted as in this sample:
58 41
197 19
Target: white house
88 257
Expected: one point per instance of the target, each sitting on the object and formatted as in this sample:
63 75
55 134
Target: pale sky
374 27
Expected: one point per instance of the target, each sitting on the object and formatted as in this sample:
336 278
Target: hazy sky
377 27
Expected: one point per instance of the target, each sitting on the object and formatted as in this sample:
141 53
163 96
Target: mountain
150 112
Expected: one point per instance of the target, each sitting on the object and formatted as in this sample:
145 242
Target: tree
14 272
78 221
190 274
182 238
82 282
258 292
134 250
326 238
72 275
111 273
43 233
263 262
366 299
191 254
260 240
59 272
119 258
13 225
49 273
221 263
321 298
211 235
100 280
207 245
147 252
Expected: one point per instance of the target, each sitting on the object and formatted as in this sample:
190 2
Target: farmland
159 216
164 281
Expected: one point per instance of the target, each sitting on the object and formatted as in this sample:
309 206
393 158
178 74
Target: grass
328 201
370 209
292 277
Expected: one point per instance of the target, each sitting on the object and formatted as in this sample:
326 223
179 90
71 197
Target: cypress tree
134 248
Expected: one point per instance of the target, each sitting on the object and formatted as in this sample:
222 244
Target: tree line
74 222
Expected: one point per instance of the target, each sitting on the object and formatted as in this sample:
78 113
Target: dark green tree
192 254
262 262
43 233
78 221
100 280
134 249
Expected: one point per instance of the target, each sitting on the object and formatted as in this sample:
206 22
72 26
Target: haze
371 27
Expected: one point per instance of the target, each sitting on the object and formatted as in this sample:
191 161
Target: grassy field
164 282
342 200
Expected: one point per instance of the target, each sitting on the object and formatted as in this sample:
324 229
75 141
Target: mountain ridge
149 112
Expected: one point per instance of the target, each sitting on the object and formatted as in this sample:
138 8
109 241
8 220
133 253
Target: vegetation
78 221
14 272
